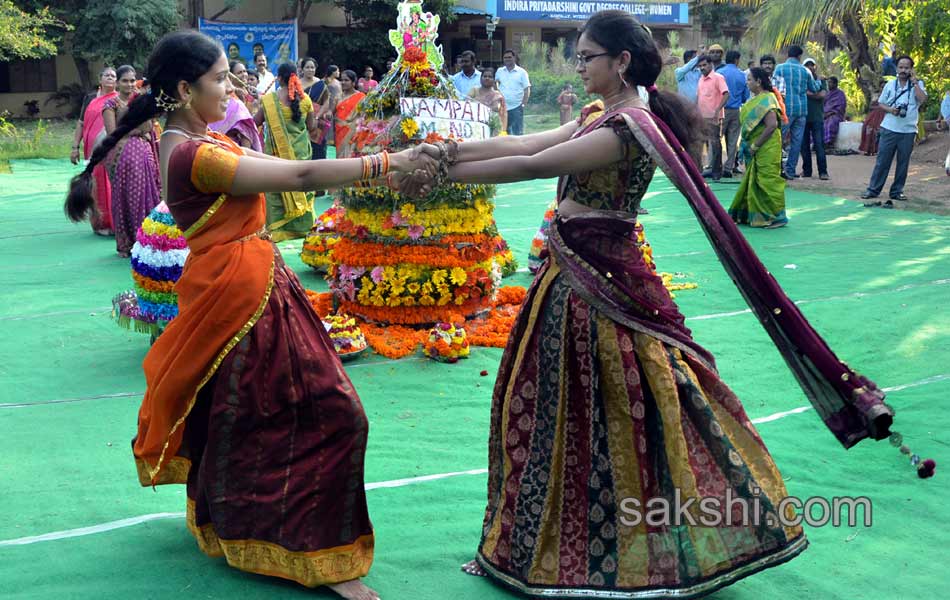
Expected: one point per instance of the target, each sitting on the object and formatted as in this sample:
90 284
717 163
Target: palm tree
783 22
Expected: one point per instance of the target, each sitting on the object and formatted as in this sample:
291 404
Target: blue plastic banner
243 41
649 13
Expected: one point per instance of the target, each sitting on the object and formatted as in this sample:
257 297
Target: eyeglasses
584 59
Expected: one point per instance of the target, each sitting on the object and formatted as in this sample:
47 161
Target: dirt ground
928 187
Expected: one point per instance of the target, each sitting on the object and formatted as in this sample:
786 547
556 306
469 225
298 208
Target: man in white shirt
468 77
264 77
900 100
515 86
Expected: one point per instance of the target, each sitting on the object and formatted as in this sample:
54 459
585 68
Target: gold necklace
616 104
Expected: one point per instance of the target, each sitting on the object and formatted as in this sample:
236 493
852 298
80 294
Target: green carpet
875 283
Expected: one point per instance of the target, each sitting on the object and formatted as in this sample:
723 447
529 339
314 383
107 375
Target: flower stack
345 334
158 256
407 261
447 342
322 238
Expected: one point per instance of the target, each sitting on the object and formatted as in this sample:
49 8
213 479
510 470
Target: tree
783 22
718 17
23 34
366 40
114 31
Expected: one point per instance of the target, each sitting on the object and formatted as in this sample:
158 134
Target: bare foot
473 568
354 589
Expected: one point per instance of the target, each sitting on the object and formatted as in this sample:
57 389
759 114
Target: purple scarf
239 118
851 406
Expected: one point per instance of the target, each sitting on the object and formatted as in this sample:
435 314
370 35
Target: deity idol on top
417 29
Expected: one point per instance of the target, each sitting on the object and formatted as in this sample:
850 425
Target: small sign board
459 119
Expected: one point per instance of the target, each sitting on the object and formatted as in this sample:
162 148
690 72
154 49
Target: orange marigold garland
489 329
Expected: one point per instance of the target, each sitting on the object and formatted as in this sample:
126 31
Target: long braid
80 203
179 56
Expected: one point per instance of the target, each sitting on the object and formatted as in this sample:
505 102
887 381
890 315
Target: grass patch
26 138
538 119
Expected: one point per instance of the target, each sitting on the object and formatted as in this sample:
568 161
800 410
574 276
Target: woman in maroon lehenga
604 404
246 400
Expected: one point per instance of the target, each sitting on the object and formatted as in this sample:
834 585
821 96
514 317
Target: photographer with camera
900 100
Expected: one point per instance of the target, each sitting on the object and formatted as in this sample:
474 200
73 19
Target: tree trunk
862 62
85 77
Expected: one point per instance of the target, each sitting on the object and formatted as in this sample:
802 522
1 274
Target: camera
902 111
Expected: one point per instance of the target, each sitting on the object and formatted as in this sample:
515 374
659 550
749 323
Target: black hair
794 51
331 70
511 52
767 58
703 58
234 45
123 70
233 64
253 73
616 31
759 74
904 57
688 56
284 72
307 59
732 57
179 56
351 75
468 54
833 78
489 68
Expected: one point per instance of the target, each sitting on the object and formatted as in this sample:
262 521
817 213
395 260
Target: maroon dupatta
851 405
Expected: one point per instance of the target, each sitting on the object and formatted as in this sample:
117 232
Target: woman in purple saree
603 400
132 167
836 109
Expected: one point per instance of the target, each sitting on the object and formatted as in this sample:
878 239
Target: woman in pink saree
90 131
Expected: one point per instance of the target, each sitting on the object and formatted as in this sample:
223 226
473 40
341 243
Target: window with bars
26 76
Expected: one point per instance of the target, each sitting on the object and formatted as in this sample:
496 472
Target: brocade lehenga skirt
603 403
276 442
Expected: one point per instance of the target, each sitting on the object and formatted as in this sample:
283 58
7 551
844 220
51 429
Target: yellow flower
409 127
459 276
413 288
460 300
426 300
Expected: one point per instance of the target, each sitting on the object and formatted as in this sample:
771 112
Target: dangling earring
188 104
622 80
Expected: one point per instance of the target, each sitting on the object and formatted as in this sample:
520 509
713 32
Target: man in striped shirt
798 82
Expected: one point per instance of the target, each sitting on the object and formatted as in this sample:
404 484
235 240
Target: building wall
66 74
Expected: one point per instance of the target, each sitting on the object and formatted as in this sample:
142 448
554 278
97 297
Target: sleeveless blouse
618 186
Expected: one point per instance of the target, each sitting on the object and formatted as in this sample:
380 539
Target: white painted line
781 415
902 288
71 533
122 523
421 479
68 400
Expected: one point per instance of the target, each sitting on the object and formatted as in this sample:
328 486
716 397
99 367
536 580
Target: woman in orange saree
91 130
246 401
348 101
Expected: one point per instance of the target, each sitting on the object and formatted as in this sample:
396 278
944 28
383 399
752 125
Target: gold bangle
385 170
